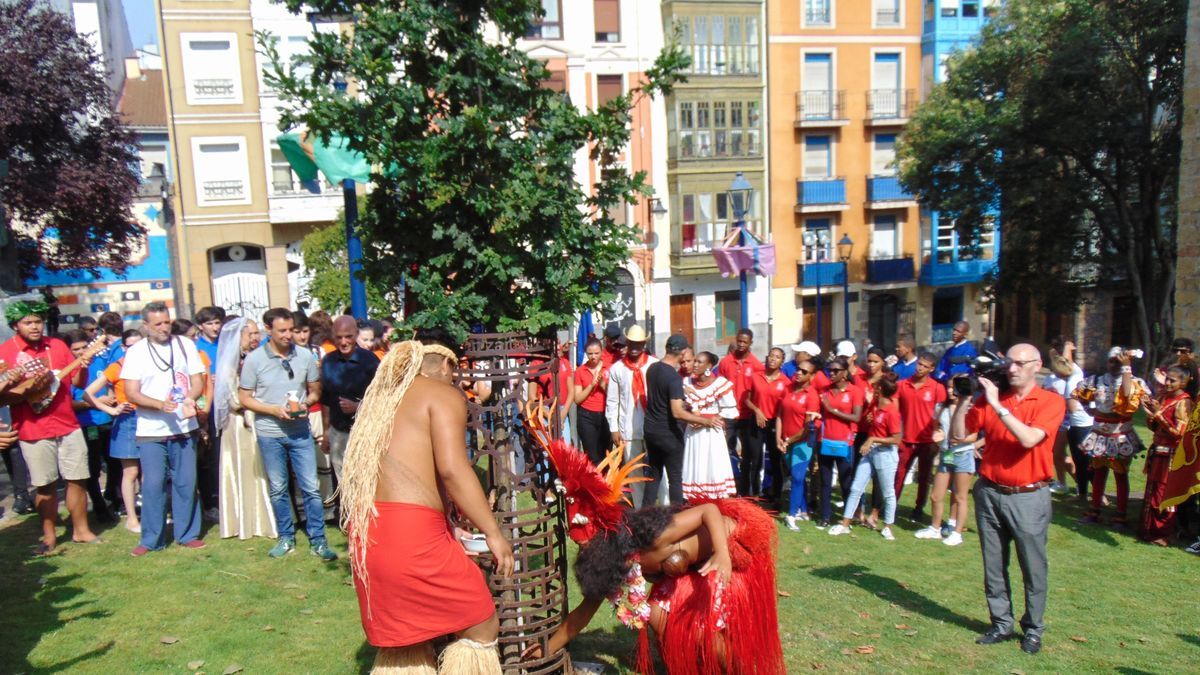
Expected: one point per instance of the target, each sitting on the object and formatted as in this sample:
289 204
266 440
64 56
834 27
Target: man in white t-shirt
162 376
625 399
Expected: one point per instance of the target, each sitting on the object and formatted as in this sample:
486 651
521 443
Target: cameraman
1012 496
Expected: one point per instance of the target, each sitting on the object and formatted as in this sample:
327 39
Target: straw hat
635 333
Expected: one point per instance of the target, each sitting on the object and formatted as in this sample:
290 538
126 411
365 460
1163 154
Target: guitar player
51 440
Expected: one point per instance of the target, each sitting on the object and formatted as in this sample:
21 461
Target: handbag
832 448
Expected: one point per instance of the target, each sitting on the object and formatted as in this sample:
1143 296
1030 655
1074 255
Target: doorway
683 317
883 321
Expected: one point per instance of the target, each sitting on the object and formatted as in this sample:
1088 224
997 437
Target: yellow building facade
844 77
239 210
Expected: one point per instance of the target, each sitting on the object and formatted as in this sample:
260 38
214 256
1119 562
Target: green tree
1066 116
324 252
474 199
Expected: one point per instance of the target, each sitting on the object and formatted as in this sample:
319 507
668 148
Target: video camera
989 365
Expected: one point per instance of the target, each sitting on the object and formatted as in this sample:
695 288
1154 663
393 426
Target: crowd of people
248 425
857 418
220 419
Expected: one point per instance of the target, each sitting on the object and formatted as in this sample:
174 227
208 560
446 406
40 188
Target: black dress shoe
993 636
1031 644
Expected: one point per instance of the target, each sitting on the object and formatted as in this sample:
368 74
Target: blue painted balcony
883 191
824 194
951 271
821 273
890 270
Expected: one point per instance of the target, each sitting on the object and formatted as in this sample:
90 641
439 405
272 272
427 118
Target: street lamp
354 250
816 241
845 248
741 197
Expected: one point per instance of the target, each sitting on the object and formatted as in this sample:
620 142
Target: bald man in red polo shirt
1012 495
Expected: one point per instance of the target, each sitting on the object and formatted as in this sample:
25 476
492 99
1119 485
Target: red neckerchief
639 379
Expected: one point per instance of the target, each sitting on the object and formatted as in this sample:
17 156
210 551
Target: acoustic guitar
39 398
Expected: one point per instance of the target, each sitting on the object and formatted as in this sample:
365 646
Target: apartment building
240 211
596 52
843 76
715 129
953 272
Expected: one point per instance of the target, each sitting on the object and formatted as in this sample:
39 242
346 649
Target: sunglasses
837 370
805 373
287 365
1182 350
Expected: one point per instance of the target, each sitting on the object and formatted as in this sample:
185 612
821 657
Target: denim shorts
962 461
122 444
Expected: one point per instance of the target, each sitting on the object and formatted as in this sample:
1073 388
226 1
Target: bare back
431 415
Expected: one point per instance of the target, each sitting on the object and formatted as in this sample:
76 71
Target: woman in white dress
245 503
707 473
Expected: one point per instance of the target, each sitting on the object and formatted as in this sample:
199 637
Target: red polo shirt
56 420
794 409
608 357
885 422
837 429
1005 461
917 405
767 394
741 375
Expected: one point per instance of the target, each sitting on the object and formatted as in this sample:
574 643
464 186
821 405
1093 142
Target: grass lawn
855 603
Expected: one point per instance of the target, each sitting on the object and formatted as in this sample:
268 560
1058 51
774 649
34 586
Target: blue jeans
799 458
168 459
277 451
883 460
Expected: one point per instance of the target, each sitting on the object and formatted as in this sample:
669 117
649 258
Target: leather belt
1019 489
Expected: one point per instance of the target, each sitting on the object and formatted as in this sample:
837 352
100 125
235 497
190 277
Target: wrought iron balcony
821 108
887 189
815 274
820 192
885 106
887 17
890 270
213 88
223 190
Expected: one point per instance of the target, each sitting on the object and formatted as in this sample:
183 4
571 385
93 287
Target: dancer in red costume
712 566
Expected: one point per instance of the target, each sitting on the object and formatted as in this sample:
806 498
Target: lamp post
741 195
354 251
816 242
845 248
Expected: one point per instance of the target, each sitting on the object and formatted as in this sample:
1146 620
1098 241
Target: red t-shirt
885 421
843 401
740 374
1005 461
608 358
564 382
861 379
58 419
583 378
917 406
794 407
767 394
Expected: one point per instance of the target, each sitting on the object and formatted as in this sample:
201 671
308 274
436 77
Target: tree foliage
1067 115
325 258
474 200
72 167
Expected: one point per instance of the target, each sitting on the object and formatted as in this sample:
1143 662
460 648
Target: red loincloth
745 619
422 584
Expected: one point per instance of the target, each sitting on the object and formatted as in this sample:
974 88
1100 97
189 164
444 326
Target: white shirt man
624 412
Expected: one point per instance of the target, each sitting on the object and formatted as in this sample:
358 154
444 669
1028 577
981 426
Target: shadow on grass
893 591
1126 670
1194 640
42 596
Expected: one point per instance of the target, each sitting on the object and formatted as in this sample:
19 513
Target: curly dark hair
601 565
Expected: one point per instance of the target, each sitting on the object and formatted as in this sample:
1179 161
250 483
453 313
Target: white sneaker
839 529
952 523
886 532
954 539
928 533
791 523
803 517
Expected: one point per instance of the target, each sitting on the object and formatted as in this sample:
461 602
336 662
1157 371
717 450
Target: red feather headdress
596 495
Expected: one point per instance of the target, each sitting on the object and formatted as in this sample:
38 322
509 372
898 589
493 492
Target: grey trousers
1023 520
337 449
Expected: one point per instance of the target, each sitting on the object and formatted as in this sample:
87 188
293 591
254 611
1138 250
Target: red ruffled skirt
742 617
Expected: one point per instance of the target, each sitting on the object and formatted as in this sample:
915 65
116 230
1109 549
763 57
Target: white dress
707 473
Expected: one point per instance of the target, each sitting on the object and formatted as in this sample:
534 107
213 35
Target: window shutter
608 87
608 20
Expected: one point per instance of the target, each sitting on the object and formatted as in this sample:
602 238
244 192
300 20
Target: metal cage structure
519 485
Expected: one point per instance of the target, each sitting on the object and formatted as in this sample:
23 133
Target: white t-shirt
158 372
1065 387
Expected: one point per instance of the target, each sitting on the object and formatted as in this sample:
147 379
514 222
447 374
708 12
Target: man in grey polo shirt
278 383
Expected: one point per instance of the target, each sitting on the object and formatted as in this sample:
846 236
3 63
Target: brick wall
1187 291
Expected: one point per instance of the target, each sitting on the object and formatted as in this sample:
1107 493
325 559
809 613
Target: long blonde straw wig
370 439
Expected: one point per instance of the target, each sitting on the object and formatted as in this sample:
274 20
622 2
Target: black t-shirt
663 384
